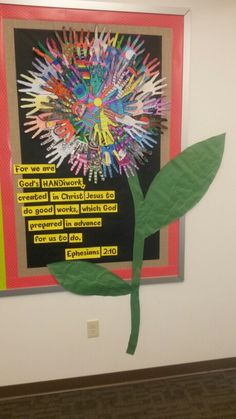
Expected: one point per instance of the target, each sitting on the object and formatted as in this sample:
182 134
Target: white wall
43 337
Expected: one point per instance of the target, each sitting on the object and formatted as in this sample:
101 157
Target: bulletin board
51 212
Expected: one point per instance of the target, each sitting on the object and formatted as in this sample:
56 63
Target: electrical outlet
93 328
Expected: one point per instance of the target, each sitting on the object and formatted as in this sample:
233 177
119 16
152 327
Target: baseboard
116 378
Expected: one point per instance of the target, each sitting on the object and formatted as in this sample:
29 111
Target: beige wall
43 337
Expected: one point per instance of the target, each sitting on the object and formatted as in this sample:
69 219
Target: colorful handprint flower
97 101
94 102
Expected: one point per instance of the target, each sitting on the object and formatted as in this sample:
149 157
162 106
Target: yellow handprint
103 132
130 86
37 103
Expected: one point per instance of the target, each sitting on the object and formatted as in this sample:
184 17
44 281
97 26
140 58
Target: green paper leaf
181 183
87 278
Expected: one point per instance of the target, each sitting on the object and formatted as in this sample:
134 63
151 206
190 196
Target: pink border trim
176 23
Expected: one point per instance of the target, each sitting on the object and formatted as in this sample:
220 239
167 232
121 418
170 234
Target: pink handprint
38 123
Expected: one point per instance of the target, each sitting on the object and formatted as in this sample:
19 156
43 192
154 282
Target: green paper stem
175 189
135 321
138 247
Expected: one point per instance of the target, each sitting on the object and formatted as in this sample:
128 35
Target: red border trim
176 23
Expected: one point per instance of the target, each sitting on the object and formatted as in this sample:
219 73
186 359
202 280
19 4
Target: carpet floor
210 395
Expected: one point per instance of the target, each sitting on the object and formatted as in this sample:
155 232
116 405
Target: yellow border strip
2 251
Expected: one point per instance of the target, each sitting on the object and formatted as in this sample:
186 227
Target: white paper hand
99 44
31 84
150 88
60 151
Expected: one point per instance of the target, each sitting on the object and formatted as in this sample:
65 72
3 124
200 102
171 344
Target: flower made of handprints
95 101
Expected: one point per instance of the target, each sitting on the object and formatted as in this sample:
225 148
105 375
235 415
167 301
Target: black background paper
117 228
